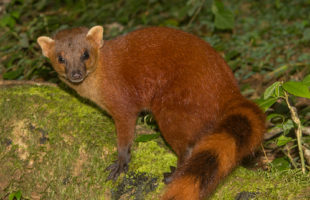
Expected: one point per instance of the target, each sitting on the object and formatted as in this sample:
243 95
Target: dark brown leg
125 127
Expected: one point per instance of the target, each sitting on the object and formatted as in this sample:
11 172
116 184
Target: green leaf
281 164
278 4
279 92
274 115
232 54
11 196
15 14
306 80
15 195
11 75
171 22
224 18
283 140
264 104
271 90
18 195
147 137
7 20
297 89
287 126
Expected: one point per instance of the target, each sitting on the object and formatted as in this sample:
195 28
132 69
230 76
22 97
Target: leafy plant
15 195
283 91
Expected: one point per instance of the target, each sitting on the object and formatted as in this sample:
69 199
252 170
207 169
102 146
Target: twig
298 132
266 157
264 152
196 13
14 82
290 157
283 68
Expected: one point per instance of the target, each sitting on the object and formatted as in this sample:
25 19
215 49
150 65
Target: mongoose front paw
116 169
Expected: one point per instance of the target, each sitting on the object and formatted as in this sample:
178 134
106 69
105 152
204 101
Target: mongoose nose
76 75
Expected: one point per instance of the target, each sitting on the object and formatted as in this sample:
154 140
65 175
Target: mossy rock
55 145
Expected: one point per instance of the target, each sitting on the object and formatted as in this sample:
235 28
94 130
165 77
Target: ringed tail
237 135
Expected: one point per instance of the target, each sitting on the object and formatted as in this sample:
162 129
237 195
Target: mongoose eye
61 59
85 55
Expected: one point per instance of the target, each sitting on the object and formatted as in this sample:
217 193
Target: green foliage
279 91
15 195
224 18
273 90
267 37
283 140
281 164
297 88
276 91
25 20
306 80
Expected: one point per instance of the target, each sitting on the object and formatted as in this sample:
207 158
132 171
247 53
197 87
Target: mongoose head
73 52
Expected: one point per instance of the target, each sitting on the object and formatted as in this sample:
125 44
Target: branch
298 132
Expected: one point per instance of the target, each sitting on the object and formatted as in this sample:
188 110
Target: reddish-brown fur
191 92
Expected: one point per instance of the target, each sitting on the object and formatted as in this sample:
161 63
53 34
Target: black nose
76 75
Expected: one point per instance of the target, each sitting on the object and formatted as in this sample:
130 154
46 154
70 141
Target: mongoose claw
116 169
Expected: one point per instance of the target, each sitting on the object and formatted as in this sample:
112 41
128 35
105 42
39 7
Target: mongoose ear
46 44
96 35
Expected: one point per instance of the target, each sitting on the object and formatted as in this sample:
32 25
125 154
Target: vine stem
290 157
298 132
266 157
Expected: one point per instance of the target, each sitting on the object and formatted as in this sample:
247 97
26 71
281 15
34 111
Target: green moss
151 158
58 144
290 184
